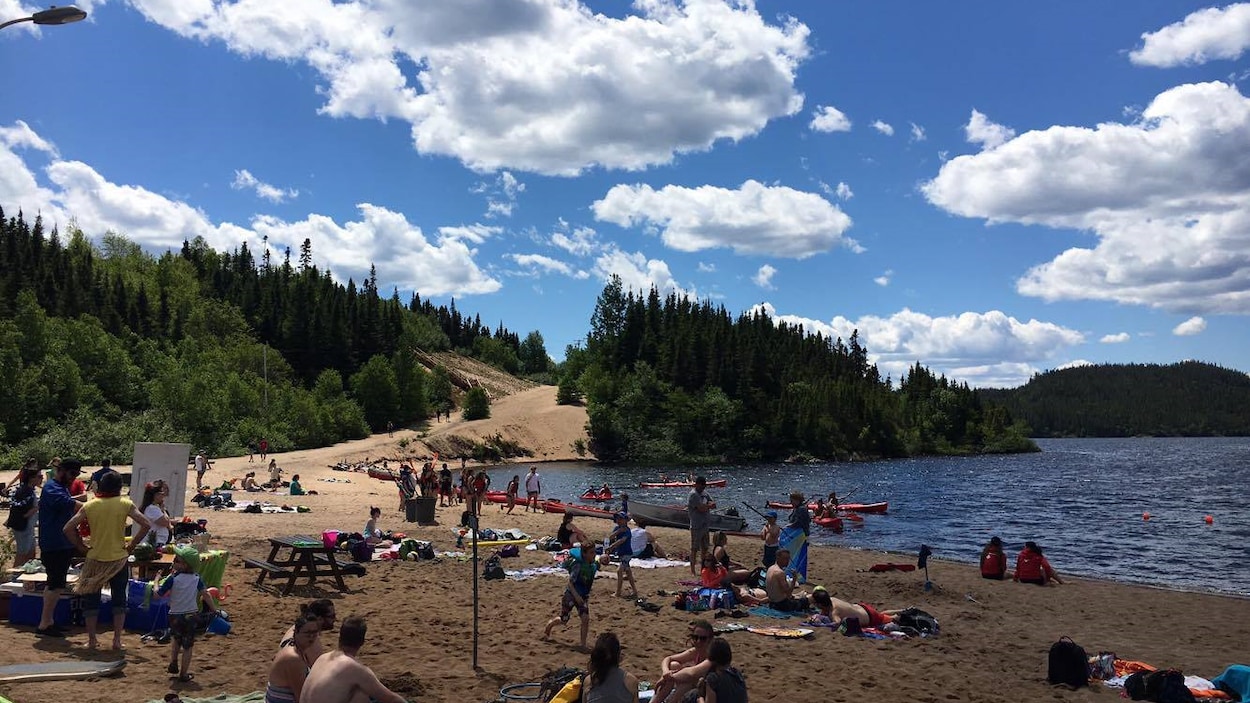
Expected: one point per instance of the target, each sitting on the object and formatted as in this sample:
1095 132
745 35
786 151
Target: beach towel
1236 679
253 697
793 539
764 611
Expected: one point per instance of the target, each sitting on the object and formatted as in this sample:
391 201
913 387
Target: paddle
752 509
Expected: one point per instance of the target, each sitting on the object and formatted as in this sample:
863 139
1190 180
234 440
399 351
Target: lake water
1081 499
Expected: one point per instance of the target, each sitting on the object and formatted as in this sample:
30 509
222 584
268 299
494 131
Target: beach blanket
764 611
779 632
1198 686
253 697
1236 678
793 539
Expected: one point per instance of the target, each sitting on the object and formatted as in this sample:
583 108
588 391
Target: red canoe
605 497
382 474
553 506
714 483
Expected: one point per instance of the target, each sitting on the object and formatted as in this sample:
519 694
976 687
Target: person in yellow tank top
106 556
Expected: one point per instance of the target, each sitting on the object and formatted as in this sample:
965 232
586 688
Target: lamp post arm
24 19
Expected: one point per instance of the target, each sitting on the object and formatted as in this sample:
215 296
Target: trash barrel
420 510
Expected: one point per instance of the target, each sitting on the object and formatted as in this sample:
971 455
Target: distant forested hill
1190 399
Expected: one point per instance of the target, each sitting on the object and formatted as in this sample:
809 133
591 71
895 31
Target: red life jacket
1029 566
993 565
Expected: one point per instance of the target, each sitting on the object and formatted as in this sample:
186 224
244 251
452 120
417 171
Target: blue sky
991 189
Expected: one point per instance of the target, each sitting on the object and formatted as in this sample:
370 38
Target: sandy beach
995 635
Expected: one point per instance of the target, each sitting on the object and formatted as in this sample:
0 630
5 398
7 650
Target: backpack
923 623
510 550
757 578
425 551
492 569
553 681
1067 664
361 550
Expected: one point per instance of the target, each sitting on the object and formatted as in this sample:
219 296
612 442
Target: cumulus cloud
984 349
527 85
402 253
827 118
883 127
754 219
980 130
917 133
1167 196
1190 327
244 180
536 264
1205 35
579 241
764 277
884 279
637 272
1115 338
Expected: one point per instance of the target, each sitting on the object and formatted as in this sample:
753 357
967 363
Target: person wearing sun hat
186 591
771 534
621 543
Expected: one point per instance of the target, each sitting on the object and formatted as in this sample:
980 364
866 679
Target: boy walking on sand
186 590
577 592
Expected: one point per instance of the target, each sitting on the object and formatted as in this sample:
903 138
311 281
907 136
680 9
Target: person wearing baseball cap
620 544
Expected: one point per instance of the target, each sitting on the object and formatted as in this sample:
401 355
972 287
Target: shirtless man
838 610
336 677
781 586
680 673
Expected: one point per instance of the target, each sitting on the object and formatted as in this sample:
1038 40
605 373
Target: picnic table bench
300 556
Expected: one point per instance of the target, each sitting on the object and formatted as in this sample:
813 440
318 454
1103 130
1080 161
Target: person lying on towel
782 587
836 610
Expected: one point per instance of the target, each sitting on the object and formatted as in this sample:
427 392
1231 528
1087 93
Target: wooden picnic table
298 556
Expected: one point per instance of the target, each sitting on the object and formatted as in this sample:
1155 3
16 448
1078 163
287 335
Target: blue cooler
144 618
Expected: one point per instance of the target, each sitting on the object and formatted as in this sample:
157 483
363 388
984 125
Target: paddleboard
59 671
780 632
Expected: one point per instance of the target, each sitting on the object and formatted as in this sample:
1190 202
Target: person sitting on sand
582 569
644 544
771 534
680 673
373 534
735 572
249 483
781 587
295 488
713 575
993 560
321 610
836 610
1032 567
724 683
337 677
569 534
275 474
289 670
605 681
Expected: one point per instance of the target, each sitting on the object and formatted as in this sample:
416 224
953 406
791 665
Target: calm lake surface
1081 499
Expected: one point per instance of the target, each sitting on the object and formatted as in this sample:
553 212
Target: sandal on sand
186 678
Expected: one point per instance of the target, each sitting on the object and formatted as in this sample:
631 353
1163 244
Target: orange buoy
1209 520
1145 516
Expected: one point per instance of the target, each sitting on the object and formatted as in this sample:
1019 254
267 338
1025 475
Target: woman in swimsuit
291 665
322 611
737 573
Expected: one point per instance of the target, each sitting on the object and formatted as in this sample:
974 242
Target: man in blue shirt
56 507
106 466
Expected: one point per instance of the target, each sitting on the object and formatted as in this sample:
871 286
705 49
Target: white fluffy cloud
754 219
579 241
980 130
1190 327
1206 35
244 180
917 133
1168 197
764 277
1115 338
529 85
637 272
537 264
884 279
402 253
843 191
984 349
883 127
501 194
827 118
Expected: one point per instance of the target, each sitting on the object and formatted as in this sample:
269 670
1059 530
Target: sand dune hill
466 373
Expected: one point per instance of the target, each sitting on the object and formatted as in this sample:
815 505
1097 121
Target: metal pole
473 524
24 19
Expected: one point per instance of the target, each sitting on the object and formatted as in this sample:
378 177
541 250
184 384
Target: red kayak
382 474
832 523
604 497
553 506
714 483
878 508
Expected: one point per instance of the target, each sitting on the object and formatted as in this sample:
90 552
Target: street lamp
52 15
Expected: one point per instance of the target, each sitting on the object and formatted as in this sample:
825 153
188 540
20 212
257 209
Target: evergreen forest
102 345
1188 399
675 380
